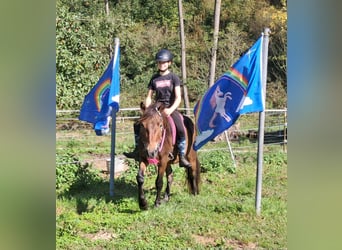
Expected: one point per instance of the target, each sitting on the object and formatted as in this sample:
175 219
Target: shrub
66 168
71 175
216 161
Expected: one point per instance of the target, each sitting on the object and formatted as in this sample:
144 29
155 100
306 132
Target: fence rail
121 114
69 129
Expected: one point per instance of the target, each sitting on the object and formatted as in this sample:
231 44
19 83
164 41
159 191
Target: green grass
222 216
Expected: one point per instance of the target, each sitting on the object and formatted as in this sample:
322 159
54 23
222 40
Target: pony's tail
193 177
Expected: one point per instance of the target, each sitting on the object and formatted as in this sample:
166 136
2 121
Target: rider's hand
167 112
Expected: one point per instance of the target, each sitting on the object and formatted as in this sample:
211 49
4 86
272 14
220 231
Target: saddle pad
173 127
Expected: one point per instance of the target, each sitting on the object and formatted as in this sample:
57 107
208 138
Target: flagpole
230 148
261 122
113 133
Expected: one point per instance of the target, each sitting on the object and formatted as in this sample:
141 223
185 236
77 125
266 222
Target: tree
84 34
182 39
215 40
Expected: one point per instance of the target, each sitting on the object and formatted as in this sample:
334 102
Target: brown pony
156 146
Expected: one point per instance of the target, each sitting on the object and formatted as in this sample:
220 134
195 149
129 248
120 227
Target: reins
162 141
164 131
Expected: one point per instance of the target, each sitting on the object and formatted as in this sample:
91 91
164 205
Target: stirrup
183 162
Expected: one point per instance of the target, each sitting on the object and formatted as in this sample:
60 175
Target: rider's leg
181 142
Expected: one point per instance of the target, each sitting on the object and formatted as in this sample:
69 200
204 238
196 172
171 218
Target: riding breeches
176 116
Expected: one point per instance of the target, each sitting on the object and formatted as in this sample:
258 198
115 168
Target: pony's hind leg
169 176
193 177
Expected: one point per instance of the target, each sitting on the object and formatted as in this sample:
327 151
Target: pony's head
152 130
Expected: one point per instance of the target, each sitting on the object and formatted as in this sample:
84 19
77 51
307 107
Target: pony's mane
151 110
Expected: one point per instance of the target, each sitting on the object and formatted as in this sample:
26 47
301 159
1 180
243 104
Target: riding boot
183 162
134 154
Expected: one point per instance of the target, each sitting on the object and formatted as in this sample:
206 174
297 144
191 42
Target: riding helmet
164 55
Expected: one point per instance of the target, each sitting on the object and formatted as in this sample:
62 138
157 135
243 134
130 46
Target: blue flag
114 93
103 98
236 92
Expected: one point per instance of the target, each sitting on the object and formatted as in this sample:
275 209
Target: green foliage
232 44
66 169
71 175
216 161
79 50
276 159
84 41
276 95
66 225
163 13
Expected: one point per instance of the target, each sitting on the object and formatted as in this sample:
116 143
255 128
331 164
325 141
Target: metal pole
230 148
112 155
261 122
113 133
285 132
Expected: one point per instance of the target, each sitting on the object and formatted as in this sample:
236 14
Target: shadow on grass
89 186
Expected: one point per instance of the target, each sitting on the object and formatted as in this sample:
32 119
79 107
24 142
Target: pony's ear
142 106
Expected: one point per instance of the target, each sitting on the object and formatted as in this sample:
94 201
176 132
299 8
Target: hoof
166 198
157 204
143 205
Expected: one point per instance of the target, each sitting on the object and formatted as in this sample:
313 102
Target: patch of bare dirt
238 245
73 125
205 240
101 235
235 244
101 162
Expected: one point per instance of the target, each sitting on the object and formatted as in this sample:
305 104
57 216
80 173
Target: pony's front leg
169 176
159 185
140 180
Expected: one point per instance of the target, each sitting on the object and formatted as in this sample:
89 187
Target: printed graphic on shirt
163 83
